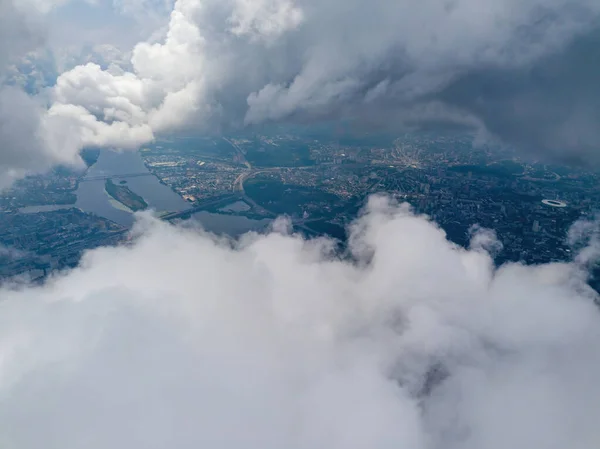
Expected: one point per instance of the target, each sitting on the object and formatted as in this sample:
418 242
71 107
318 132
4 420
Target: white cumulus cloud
179 339
24 145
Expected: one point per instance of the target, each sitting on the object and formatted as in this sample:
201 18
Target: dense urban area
321 180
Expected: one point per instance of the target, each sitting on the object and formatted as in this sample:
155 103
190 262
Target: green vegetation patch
125 196
290 199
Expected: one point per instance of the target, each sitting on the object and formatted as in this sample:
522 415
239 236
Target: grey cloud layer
522 70
276 342
22 148
18 32
25 144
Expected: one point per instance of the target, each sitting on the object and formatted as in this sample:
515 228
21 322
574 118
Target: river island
125 196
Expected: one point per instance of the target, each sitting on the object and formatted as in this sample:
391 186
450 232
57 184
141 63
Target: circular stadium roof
554 203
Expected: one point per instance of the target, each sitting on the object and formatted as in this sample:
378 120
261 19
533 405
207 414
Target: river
91 196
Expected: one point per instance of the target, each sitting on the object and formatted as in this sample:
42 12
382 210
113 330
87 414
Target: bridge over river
123 176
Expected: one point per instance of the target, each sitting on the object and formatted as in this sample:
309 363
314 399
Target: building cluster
440 175
324 181
56 187
193 176
34 244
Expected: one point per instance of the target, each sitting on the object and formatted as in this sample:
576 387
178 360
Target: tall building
536 226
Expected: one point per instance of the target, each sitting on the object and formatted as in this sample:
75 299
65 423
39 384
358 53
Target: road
240 152
238 184
238 187
104 178
211 202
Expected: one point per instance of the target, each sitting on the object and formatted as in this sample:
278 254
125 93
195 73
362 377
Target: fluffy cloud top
524 71
24 145
516 69
274 341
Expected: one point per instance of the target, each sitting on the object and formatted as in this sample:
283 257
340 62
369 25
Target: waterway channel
92 198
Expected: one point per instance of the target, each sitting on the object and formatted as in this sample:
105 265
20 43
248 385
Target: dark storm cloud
510 69
524 73
520 71
553 104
